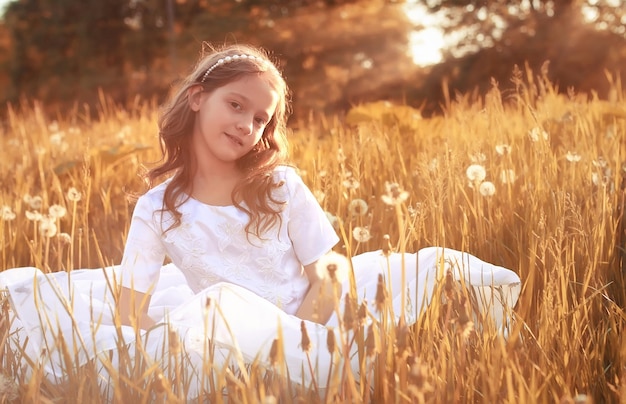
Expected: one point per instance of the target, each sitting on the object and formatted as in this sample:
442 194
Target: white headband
230 59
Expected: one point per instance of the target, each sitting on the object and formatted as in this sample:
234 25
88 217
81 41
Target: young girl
248 244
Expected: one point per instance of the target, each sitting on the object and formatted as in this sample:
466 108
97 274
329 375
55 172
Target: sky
3 4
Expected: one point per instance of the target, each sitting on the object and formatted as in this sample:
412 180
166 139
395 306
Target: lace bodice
210 245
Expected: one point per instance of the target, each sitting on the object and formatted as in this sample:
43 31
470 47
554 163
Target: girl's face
230 120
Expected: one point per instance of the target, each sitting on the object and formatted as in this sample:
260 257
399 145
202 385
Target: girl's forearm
133 308
318 303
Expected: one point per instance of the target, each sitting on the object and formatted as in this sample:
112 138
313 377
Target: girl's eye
235 105
260 121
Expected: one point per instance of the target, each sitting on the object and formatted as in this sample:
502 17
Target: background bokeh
335 53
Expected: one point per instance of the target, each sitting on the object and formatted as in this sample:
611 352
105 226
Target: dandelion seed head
35 202
74 195
358 207
361 234
27 198
333 266
269 399
351 183
573 157
57 211
322 173
600 162
53 127
536 133
65 238
595 179
341 157
394 194
433 165
123 132
7 213
476 173
33 215
507 176
57 138
503 149
47 227
487 188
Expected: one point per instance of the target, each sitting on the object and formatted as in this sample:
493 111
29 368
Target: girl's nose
245 125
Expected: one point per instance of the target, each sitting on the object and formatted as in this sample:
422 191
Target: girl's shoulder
154 196
286 174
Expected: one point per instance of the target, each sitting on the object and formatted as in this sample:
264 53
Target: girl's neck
215 185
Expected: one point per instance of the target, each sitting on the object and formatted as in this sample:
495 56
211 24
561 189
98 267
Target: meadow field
526 178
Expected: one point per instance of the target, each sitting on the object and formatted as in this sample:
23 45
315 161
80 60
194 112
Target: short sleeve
310 231
144 252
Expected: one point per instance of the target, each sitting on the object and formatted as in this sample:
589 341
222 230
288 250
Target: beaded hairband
230 59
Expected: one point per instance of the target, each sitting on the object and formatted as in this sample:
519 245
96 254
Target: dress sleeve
144 252
310 231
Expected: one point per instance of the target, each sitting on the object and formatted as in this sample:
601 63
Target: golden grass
557 225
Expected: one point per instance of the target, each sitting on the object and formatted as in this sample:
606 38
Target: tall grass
557 163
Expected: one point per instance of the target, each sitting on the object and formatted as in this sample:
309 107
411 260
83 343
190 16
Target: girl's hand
321 298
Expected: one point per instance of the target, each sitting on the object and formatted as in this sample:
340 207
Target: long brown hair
254 193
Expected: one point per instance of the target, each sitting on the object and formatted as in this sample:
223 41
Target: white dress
225 288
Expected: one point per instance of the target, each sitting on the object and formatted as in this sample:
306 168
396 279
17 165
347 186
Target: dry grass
556 222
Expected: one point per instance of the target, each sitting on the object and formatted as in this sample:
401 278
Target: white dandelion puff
65 238
595 179
487 188
394 194
53 127
361 234
433 165
537 133
322 173
507 176
33 216
600 162
358 207
7 213
573 157
351 183
57 211
35 202
503 149
47 227
333 266
341 157
74 195
476 173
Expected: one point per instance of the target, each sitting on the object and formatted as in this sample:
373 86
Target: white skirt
76 308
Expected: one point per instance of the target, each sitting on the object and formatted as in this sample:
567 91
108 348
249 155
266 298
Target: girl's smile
230 120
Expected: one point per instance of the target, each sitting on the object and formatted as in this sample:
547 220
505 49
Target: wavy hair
254 193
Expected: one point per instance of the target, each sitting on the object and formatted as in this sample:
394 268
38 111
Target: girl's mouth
234 139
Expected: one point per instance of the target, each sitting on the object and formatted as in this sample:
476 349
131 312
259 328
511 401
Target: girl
250 247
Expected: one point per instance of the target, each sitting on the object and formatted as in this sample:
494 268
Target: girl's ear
194 97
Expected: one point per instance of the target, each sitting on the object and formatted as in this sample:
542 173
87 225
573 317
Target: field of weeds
527 179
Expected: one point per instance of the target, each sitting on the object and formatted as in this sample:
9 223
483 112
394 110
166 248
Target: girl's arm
319 302
133 308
